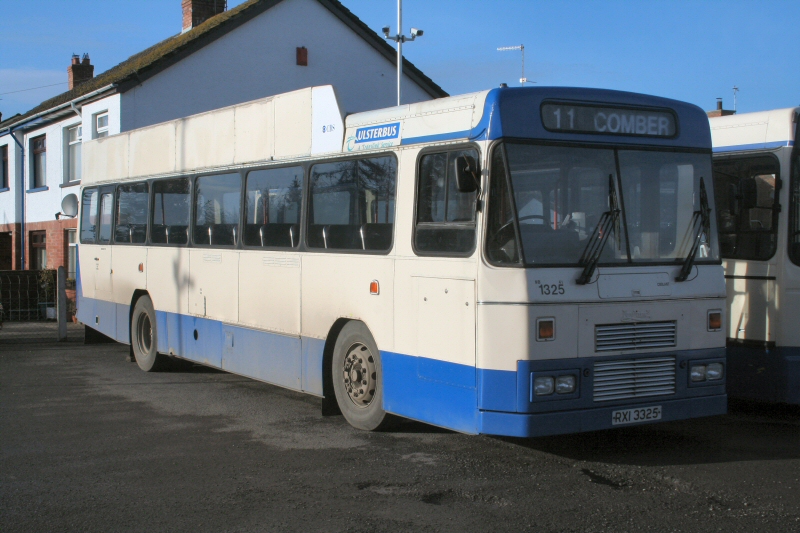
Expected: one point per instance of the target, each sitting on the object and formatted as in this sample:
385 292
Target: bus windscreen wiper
597 241
702 221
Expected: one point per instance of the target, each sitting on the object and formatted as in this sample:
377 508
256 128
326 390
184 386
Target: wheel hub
359 375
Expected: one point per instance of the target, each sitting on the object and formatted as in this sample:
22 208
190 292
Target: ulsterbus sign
586 118
374 137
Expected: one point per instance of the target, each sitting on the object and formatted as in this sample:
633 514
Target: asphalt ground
88 442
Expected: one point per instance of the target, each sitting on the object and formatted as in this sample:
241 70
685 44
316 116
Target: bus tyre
357 378
144 338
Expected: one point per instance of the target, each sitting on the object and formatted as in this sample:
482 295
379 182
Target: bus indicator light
374 287
715 320
545 329
141 267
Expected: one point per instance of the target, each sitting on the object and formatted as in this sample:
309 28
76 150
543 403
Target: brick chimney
196 12
719 112
79 71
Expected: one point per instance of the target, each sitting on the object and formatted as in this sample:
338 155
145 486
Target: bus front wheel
144 337
357 379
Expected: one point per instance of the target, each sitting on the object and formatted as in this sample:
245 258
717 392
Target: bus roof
310 122
763 130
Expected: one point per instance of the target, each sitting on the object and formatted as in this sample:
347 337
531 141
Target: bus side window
445 221
217 208
131 214
89 216
171 205
272 207
352 204
106 218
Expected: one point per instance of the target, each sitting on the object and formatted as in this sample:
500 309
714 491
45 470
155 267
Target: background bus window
272 213
445 217
352 204
747 206
131 215
218 200
171 204
106 212
89 216
794 225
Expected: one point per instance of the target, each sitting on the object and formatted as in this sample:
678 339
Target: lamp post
400 39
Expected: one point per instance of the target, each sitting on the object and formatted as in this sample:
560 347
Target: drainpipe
22 202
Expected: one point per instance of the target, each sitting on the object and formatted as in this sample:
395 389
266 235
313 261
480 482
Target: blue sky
688 50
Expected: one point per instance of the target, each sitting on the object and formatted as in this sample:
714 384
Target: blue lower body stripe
458 397
767 375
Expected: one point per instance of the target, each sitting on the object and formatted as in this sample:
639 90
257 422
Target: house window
72 249
74 140
4 181
101 125
39 151
38 250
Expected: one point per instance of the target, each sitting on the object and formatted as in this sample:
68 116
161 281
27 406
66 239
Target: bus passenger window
89 216
131 216
272 209
352 204
106 212
171 204
747 206
217 204
445 217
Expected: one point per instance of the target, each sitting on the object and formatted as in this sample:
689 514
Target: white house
220 58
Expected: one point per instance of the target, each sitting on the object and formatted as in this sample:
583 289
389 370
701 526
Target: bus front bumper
562 422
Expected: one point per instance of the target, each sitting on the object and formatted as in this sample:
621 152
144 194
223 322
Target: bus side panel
764 374
264 356
407 394
83 284
194 338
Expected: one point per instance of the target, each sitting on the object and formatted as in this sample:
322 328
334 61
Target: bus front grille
634 336
633 378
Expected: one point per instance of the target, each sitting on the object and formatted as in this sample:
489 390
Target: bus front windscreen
648 200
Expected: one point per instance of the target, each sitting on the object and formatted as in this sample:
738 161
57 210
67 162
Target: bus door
105 319
747 198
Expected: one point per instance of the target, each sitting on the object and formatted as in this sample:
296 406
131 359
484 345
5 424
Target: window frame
305 167
34 246
776 204
99 132
308 166
193 209
35 152
478 221
68 156
5 183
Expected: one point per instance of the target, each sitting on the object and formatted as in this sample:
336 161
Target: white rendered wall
42 206
10 199
258 59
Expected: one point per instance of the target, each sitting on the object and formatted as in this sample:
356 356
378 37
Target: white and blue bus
519 261
757 183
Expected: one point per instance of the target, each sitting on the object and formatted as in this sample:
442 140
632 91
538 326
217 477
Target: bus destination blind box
585 118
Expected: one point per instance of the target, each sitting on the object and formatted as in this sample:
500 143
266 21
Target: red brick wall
56 240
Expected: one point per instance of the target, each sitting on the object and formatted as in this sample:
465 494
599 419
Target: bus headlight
543 386
698 373
714 320
714 372
565 384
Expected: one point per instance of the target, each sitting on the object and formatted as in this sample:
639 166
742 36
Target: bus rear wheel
144 337
358 380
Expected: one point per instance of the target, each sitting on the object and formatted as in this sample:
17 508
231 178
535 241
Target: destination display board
608 120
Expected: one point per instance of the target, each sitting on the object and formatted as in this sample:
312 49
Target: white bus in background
518 262
757 183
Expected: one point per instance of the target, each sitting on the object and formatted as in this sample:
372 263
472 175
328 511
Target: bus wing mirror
467 174
69 205
748 193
